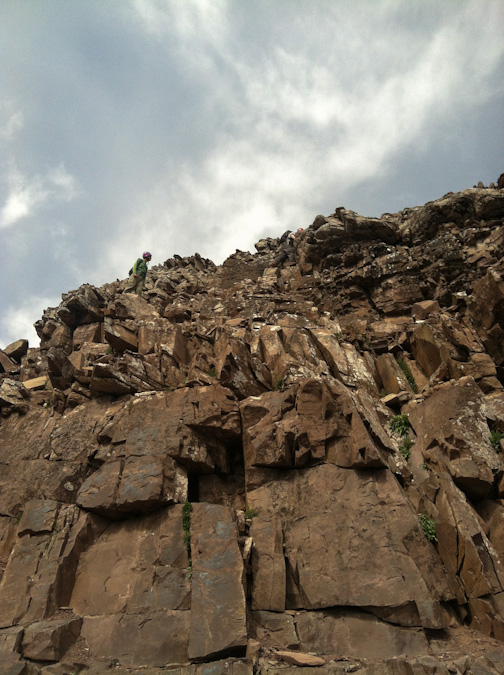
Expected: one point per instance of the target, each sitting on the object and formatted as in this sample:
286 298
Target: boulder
16 350
453 434
13 395
49 640
421 310
133 485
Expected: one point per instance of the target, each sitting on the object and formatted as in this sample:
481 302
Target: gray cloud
205 125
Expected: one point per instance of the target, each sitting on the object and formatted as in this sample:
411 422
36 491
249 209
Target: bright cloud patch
26 195
17 323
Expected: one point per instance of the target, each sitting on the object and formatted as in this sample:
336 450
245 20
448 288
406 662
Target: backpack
284 236
131 270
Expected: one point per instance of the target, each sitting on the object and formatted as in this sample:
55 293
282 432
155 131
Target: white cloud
25 195
307 117
250 116
17 321
13 123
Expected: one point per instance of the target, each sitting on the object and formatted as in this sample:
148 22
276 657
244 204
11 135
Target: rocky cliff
253 469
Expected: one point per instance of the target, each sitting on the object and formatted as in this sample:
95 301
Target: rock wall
252 469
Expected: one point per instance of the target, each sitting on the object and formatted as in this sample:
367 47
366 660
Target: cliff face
267 468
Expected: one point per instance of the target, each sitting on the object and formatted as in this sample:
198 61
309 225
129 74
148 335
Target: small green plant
186 526
279 384
212 372
428 526
405 448
130 406
400 424
18 517
495 439
408 374
110 350
339 335
250 513
424 466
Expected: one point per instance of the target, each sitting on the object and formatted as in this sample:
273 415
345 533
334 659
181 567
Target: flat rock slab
358 635
218 622
300 659
139 565
352 545
155 639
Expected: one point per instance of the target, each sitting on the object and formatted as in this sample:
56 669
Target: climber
286 251
138 273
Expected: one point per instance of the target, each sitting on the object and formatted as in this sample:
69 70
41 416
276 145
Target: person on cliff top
286 250
138 272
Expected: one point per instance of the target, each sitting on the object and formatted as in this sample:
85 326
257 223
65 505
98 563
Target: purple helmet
146 254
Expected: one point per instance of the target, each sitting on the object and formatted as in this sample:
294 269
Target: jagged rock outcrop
266 469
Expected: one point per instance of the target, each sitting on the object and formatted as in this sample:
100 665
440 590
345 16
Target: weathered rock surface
252 469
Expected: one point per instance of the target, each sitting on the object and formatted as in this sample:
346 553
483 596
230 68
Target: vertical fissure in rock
192 487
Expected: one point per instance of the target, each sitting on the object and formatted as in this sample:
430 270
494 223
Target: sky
183 126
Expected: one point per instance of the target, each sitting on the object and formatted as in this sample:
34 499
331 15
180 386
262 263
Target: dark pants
286 253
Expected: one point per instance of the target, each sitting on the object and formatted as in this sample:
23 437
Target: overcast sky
178 126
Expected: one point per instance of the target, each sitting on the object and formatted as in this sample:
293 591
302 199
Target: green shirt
140 268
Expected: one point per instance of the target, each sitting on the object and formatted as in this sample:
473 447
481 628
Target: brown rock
426 350
493 514
343 360
161 335
452 432
307 424
356 634
13 396
158 639
39 517
89 333
131 306
49 640
105 379
268 564
218 617
484 307
275 629
393 378
135 566
10 641
421 310
16 350
119 336
338 505
464 549
300 659
133 485
37 383
7 365
39 575
193 426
